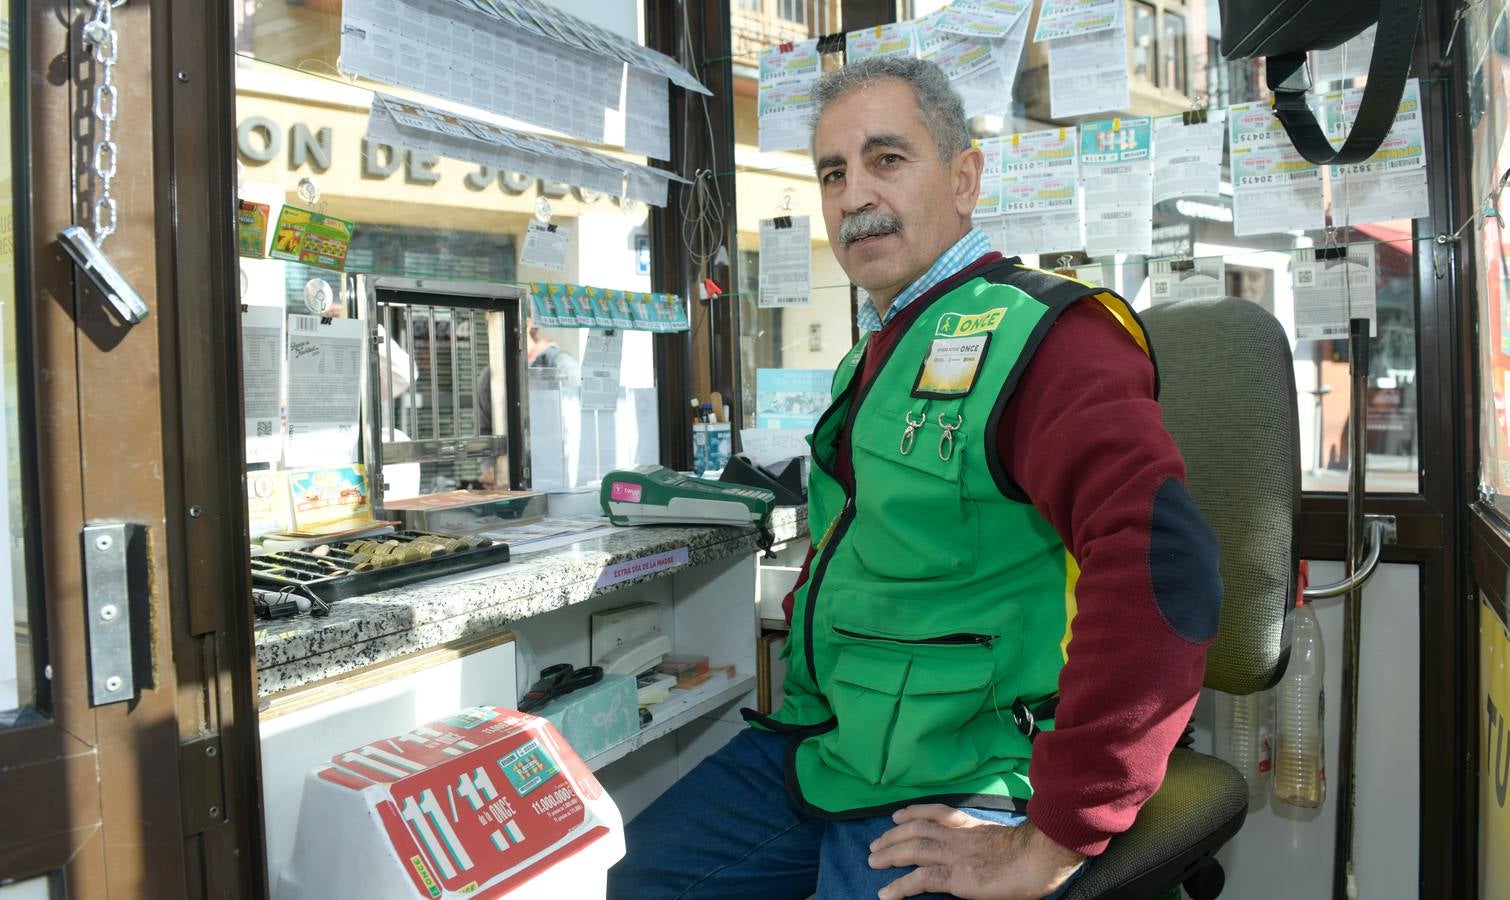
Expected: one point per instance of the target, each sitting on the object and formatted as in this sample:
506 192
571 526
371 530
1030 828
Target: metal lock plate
115 582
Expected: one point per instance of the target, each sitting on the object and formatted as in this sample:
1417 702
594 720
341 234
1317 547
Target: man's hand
956 853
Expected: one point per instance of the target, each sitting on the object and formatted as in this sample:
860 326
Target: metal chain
102 39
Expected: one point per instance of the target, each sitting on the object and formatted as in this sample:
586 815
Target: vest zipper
846 516
962 638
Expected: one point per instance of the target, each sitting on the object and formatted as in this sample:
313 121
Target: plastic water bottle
1244 737
1299 759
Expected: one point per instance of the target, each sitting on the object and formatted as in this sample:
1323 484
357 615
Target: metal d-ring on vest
910 433
946 441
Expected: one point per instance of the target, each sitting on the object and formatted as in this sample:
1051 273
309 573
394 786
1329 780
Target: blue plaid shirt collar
965 251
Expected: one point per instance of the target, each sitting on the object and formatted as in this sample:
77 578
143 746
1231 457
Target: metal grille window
793 11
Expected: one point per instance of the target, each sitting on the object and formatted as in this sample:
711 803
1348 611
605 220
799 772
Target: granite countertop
366 630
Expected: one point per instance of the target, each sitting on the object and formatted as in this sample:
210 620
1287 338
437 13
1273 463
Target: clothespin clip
782 222
1064 268
711 290
832 43
785 47
1182 265
551 227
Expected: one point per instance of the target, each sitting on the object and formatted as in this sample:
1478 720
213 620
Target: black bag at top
1283 30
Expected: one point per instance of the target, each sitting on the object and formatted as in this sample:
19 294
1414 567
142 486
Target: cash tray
331 575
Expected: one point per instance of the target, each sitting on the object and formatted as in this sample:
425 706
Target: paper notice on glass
448 49
990 19
1379 197
1187 279
324 400
602 359
791 398
1274 188
1332 286
1347 60
544 246
786 110
1116 167
895 39
988 203
786 262
1059 19
1391 184
1188 158
785 102
768 446
262 378
1088 74
1040 191
647 115
979 75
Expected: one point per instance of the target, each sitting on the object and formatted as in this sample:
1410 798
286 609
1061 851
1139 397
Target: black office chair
1228 394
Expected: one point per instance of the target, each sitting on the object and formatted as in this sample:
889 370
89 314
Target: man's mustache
867 223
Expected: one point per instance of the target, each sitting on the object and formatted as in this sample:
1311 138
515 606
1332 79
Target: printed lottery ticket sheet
324 378
1188 158
416 126
786 262
982 71
1116 169
1391 184
1088 73
647 115
262 373
1040 191
1058 19
601 363
990 19
450 50
1187 279
1332 286
988 204
1349 59
896 39
1274 188
544 246
785 101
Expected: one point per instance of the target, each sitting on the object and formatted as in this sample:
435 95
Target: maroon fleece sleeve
1083 437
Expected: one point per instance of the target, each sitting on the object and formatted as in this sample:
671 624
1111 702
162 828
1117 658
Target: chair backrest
1227 388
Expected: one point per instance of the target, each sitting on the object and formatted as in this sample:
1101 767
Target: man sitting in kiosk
1002 627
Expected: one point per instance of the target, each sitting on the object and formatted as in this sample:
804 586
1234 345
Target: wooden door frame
157 796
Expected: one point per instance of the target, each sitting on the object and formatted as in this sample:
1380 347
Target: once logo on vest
957 325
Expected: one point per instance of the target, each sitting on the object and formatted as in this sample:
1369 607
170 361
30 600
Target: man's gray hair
943 112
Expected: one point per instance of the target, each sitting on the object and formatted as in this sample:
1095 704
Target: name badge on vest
951 367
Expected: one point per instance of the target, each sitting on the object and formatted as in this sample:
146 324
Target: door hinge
201 784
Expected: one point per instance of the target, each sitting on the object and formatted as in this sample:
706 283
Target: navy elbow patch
1183 564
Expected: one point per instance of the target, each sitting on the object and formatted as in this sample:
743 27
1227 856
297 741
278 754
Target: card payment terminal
649 495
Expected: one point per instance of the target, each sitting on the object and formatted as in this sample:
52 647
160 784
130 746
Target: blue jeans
728 830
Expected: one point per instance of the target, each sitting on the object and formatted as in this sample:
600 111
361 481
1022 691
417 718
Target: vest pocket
901 711
940 697
866 684
912 521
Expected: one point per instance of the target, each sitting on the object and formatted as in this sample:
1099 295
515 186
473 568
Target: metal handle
1380 530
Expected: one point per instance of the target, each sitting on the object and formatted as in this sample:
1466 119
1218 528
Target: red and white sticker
625 492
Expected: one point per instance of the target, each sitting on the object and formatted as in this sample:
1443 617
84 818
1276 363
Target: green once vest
937 595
